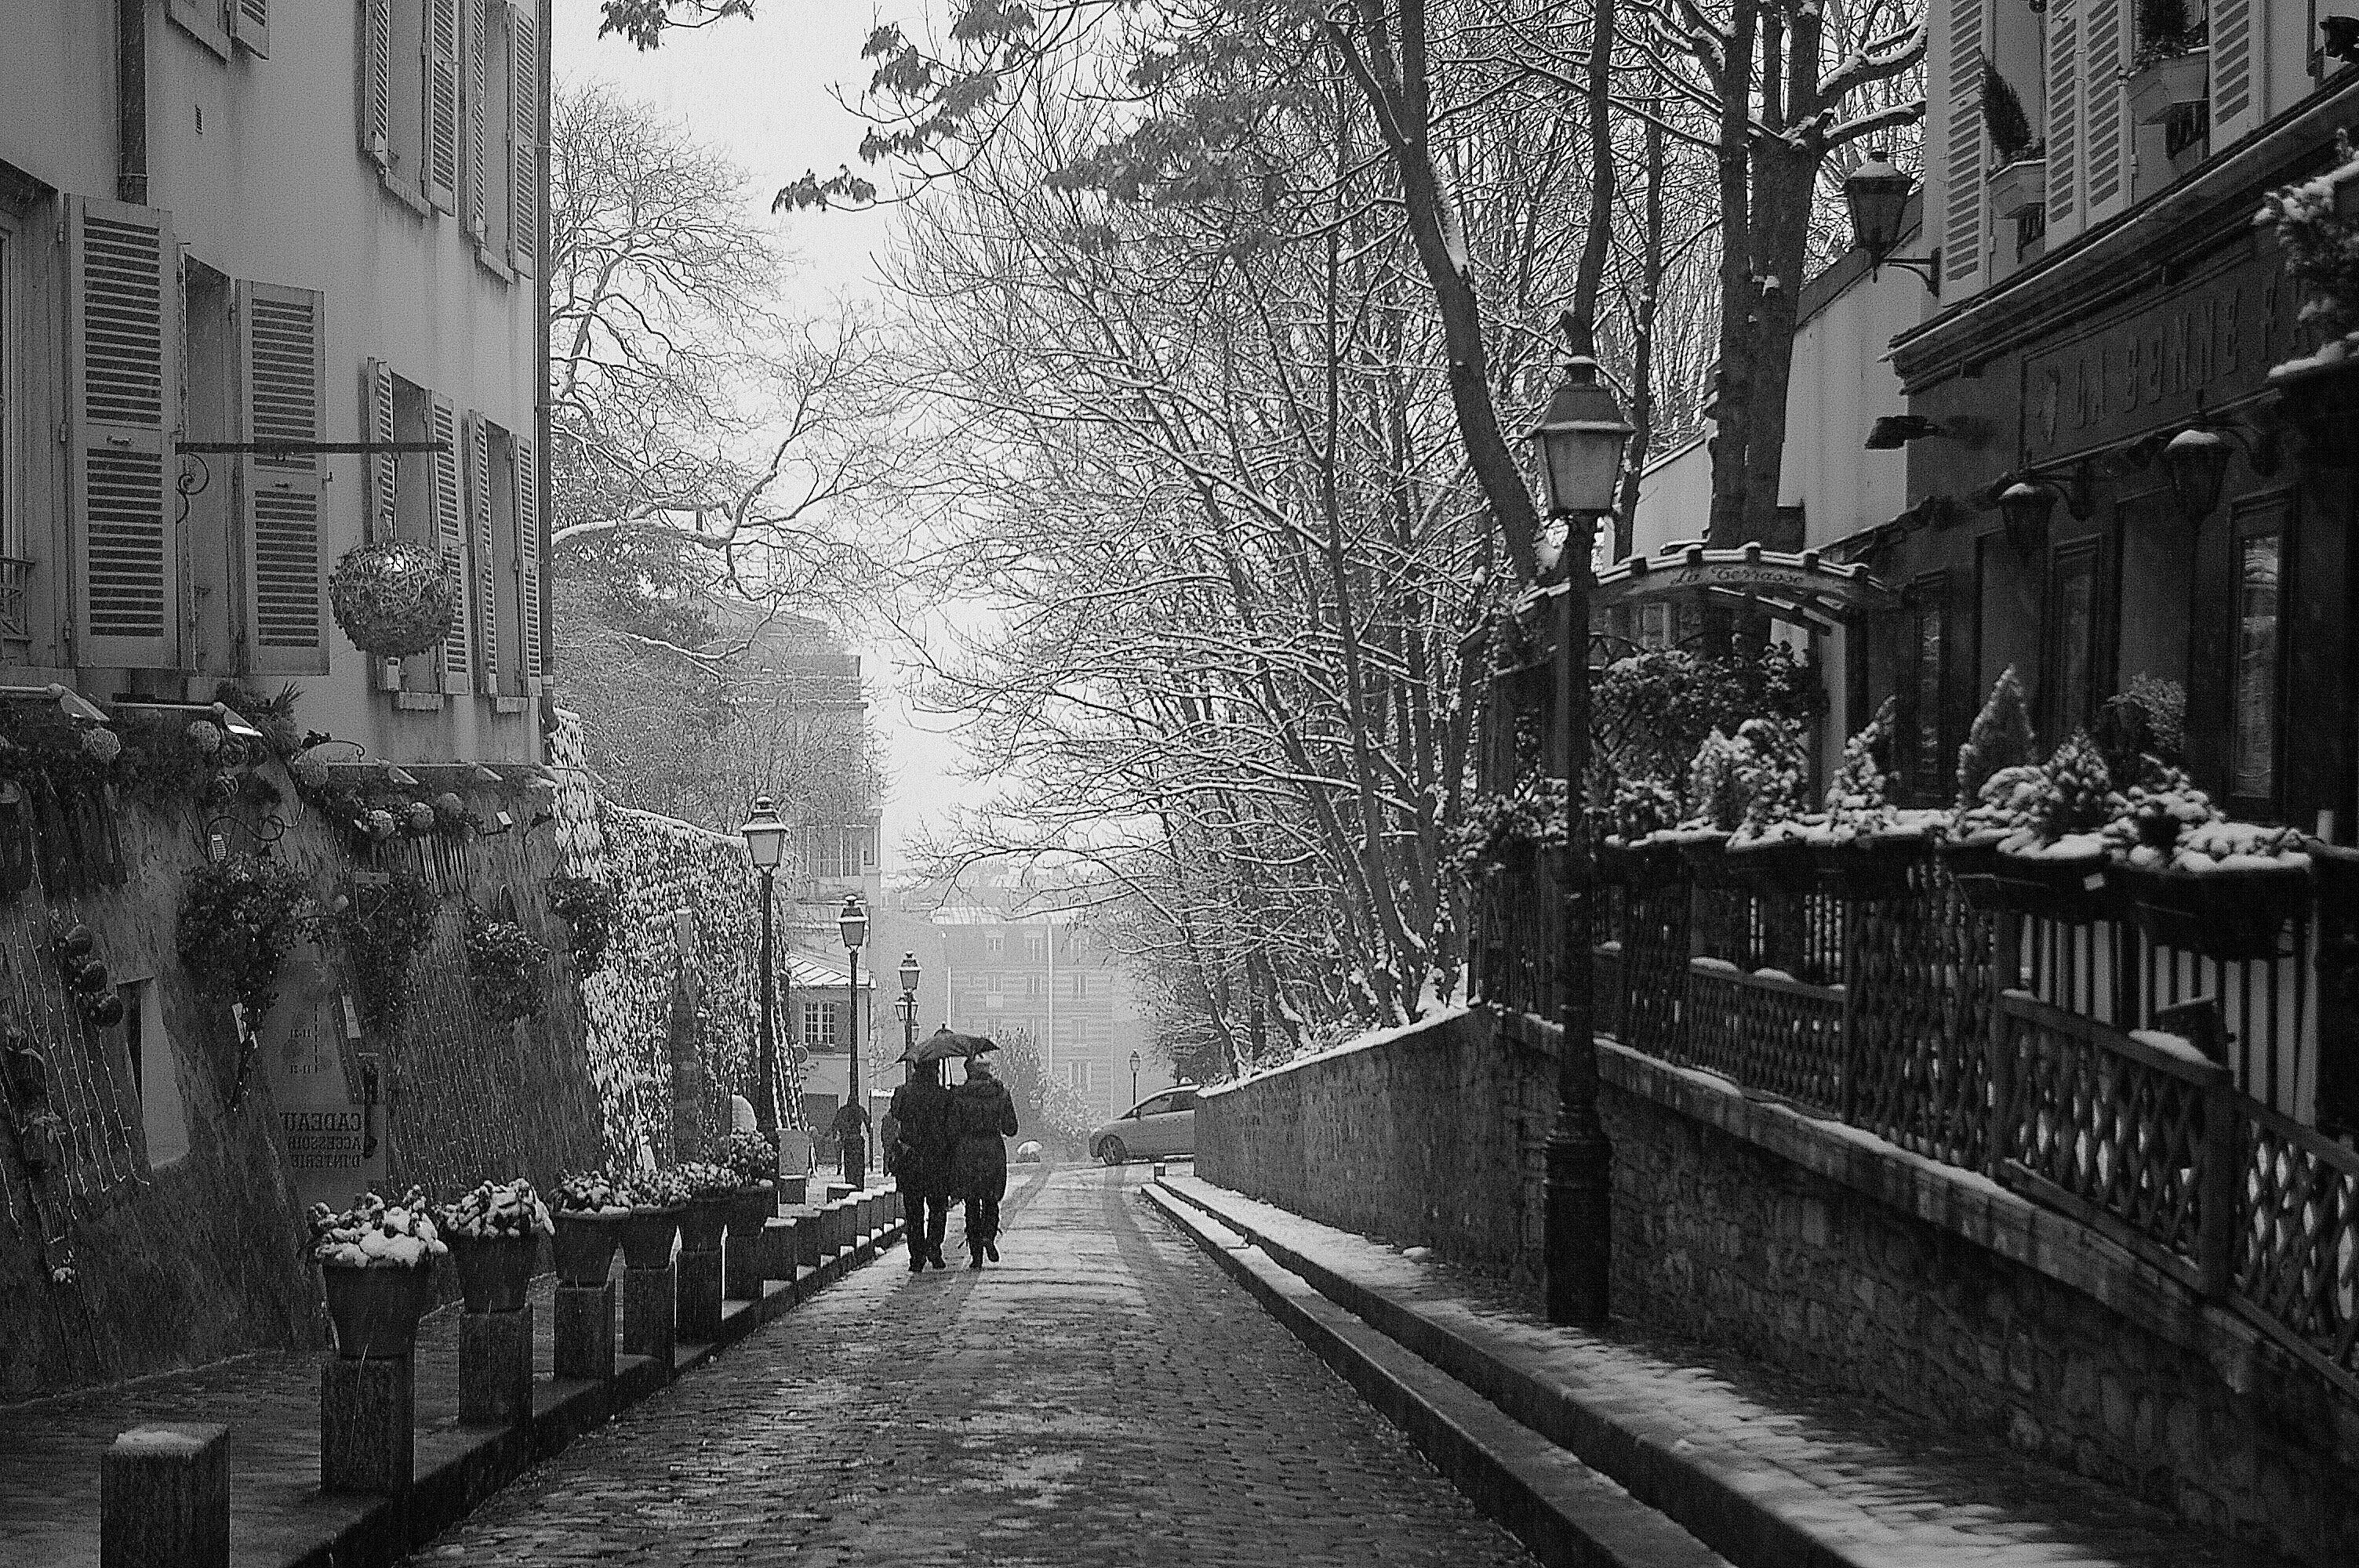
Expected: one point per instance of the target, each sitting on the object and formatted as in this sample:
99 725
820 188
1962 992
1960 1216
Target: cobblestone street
1103 1396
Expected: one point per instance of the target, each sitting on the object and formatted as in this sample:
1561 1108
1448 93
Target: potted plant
238 919
2052 861
394 598
2021 182
657 1199
376 1259
2192 880
754 1161
493 1233
1868 846
587 907
2001 741
1632 848
1512 834
711 1189
1716 808
2320 390
1770 849
43 1134
591 1208
2172 64
505 967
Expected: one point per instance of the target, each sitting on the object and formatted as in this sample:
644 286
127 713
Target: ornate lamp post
766 845
853 923
1134 1078
908 1004
1577 448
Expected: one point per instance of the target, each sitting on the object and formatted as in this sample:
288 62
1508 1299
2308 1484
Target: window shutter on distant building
527 564
2105 188
524 138
2064 119
376 83
2235 87
441 104
383 470
123 295
476 162
282 381
1957 78
251 19
451 538
480 527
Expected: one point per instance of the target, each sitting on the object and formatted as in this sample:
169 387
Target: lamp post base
1577 1245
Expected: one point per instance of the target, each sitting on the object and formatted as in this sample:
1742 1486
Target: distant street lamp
1134 1078
907 1006
853 923
1578 446
766 845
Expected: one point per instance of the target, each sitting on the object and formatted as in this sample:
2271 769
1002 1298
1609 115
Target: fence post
2222 1177
1850 1042
2006 973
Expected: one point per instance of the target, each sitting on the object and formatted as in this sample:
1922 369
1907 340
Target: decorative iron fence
1779 1036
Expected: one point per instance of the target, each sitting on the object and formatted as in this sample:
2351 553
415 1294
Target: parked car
1155 1129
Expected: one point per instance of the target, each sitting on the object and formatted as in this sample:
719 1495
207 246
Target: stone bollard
806 1242
495 1367
648 1323
838 1190
773 1252
894 1207
585 1332
163 1497
699 1320
368 1414
794 1190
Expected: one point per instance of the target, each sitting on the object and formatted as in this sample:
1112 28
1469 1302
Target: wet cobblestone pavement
1104 1397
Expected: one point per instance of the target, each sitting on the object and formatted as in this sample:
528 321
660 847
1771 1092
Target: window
1034 985
1082 1075
1655 624
1080 985
994 945
449 110
2253 759
154 1073
1035 949
1920 754
2072 629
820 1025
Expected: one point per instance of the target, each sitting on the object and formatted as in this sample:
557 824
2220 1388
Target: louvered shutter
383 470
123 307
523 139
250 23
2063 120
476 162
1958 81
2104 156
451 538
527 567
281 357
2235 87
375 86
441 104
479 529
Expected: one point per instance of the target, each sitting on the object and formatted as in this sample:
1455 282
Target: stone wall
1428 1136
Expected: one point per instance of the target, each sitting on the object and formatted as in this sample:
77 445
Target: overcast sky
764 91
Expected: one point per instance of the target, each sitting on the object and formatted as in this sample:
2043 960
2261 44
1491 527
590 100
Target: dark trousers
982 1221
934 1211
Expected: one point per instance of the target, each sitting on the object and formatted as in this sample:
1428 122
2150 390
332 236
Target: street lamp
766 847
1134 1078
853 922
1577 447
908 1004
1876 193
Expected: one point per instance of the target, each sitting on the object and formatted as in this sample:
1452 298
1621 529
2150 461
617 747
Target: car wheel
1112 1151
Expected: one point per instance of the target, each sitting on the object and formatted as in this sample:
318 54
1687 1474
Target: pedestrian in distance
985 1116
923 1157
849 1128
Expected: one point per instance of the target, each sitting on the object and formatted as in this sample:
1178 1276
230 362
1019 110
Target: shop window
2157 575
1920 750
2072 630
2259 658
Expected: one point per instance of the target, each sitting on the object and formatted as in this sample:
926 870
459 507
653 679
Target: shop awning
1788 586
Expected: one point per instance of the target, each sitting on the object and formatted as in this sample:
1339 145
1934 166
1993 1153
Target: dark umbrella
945 1044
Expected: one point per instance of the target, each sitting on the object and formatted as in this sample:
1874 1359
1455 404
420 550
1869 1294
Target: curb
461 1468
1569 1515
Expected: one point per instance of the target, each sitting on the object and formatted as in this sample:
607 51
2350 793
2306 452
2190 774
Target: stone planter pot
1781 869
2019 187
585 1247
2322 400
1867 871
2230 914
494 1273
2071 891
647 1236
2163 86
375 1310
701 1223
752 1208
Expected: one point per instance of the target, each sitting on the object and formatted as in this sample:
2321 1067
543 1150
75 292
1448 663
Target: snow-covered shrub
2001 739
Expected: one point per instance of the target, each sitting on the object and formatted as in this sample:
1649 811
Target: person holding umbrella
984 1114
924 1153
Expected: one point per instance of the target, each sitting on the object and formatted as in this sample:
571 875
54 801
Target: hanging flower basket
1870 870
2321 399
392 599
2230 913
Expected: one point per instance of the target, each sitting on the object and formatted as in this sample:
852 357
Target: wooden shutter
2063 120
528 568
2235 91
480 529
250 20
2105 154
449 510
375 86
441 85
282 377
122 307
476 162
383 470
523 139
1957 80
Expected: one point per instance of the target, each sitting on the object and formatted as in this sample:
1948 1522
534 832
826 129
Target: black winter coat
985 1113
929 1137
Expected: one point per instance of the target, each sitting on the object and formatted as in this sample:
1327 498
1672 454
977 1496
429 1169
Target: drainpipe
131 101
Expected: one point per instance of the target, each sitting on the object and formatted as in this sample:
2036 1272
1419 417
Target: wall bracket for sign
1798 586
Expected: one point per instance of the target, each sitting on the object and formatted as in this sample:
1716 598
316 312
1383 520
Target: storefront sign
324 1140
2212 340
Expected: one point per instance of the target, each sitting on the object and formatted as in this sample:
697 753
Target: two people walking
949 1144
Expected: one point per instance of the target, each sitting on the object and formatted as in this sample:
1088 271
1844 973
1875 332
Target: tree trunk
1642 373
